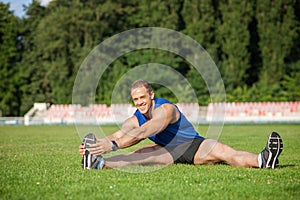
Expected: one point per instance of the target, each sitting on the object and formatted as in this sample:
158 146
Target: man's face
142 99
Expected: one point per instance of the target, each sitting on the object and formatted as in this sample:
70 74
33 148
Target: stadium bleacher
229 112
190 110
255 111
92 114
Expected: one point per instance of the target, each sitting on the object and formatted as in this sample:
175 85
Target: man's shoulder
160 101
163 102
169 110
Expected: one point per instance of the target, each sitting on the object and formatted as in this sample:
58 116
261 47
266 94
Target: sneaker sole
275 146
88 161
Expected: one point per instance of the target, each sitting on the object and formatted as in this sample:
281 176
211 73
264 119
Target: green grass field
42 162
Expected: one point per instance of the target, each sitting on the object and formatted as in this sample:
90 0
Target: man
175 139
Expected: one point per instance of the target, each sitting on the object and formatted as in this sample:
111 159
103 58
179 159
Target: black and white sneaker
268 158
90 161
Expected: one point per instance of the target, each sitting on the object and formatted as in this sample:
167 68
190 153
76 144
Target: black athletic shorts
185 152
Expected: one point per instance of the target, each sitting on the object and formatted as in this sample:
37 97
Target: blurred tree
277 29
60 37
157 14
290 86
201 20
9 56
255 44
234 37
164 14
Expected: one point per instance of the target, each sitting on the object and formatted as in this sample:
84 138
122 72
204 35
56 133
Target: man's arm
127 126
106 143
161 118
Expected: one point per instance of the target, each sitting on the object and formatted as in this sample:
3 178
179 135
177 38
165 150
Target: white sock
259 161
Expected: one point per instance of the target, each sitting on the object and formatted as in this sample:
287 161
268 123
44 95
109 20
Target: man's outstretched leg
148 155
212 151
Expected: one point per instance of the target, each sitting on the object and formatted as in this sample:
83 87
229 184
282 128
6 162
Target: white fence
11 121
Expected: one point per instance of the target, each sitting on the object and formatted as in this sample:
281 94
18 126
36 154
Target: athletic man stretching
175 139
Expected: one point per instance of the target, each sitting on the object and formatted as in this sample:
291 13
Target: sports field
42 162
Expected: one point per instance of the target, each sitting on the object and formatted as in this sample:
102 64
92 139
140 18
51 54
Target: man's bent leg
148 155
211 152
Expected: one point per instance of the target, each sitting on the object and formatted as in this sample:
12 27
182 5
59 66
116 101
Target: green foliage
277 29
290 86
42 162
234 38
255 45
9 56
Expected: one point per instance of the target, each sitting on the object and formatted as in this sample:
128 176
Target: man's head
142 95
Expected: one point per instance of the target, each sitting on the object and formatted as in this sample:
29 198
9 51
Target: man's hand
82 150
102 146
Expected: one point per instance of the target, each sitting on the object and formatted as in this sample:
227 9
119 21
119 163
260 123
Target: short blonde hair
142 83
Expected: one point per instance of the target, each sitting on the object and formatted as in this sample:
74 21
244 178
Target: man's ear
152 95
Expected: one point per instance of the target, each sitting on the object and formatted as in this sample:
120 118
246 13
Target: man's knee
207 151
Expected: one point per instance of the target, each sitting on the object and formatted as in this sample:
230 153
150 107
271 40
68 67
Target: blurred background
255 45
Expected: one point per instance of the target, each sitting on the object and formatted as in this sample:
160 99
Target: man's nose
139 101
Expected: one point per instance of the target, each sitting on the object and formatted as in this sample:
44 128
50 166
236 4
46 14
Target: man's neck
148 115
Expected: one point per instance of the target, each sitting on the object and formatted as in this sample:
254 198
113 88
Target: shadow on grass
286 166
279 167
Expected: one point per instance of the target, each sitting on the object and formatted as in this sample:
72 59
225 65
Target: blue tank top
179 132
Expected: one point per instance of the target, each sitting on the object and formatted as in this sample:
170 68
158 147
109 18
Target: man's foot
268 158
90 161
